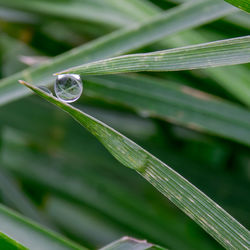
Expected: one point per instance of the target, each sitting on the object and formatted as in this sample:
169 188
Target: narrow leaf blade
214 54
174 103
8 243
210 216
30 234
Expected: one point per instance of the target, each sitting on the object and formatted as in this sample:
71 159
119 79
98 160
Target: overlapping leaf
116 43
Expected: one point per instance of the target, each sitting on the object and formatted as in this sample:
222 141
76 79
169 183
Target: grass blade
132 244
224 76
135 9
8 243
242 4
241 19
117 200
80 220
214 54
86 10
30 234
211 217
16 198
116 43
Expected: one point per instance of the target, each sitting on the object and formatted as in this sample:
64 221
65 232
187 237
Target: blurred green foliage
54 172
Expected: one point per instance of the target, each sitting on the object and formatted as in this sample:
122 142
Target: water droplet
68 87
45 89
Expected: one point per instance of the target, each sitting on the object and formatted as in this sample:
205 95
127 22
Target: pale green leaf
84 10
210 216
135 9
30 234
13 196
214 54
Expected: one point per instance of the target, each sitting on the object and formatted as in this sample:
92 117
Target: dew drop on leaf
68 87
45 89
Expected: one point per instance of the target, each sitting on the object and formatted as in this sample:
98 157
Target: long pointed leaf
214 54
183 194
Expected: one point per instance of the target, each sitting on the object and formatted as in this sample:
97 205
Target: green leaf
117 201
224 76
13 196
241 19
173 102
87 10
7 243
228 76
126 243
210 216
242 4
116 43
82 221
135 9
214 54
30 234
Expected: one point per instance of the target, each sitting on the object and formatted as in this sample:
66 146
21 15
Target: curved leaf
210 216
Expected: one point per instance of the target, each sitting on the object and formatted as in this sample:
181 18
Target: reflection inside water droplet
45 89
68 87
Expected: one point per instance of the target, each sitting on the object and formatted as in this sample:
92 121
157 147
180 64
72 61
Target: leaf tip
22 82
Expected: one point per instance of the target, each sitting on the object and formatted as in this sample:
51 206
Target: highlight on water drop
45 89
68 87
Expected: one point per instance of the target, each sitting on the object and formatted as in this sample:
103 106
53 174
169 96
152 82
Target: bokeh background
56 173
